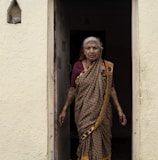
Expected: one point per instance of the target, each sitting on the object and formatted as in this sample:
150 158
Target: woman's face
92 51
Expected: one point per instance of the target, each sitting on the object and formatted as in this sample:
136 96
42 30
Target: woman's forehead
91 43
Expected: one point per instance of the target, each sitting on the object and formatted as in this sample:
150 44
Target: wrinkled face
92 51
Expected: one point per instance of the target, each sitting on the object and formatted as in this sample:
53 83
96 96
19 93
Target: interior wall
114 18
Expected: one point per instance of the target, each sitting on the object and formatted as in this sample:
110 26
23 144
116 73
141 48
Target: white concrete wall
23 82
148 52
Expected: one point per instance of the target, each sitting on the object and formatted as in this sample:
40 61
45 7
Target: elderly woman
93 90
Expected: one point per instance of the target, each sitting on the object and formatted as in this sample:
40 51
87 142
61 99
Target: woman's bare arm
115 100
68 102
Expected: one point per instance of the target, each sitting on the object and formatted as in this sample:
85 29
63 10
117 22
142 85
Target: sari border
109 68
87 157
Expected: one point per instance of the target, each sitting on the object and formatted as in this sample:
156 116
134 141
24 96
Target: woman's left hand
122 118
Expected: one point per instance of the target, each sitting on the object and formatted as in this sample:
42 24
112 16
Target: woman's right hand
62 117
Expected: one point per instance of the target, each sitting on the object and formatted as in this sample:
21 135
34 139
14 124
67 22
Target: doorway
109 20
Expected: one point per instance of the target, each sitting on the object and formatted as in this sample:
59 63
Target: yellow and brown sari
93 115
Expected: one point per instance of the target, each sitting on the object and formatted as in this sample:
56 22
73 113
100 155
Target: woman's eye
94 48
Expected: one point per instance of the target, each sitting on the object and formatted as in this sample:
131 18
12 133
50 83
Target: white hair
92 39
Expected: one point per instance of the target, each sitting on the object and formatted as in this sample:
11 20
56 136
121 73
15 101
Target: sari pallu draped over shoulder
93 112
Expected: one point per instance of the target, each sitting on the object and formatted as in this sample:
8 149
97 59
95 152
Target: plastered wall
148 56
23 82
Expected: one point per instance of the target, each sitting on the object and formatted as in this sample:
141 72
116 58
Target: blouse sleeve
73 76
76 70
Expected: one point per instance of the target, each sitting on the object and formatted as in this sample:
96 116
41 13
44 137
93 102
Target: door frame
50 80
135 81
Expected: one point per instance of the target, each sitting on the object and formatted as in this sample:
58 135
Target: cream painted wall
23 82
148 52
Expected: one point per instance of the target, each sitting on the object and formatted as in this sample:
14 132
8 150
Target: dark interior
110 20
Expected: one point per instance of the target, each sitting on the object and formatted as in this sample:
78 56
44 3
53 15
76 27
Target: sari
93 115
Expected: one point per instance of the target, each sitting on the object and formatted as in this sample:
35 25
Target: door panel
62 134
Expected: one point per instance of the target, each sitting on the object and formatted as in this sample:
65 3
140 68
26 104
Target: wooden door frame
50 80
135 80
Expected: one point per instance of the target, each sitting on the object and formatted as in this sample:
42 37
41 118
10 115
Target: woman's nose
91 49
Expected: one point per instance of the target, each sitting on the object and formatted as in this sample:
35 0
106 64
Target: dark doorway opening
110 20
